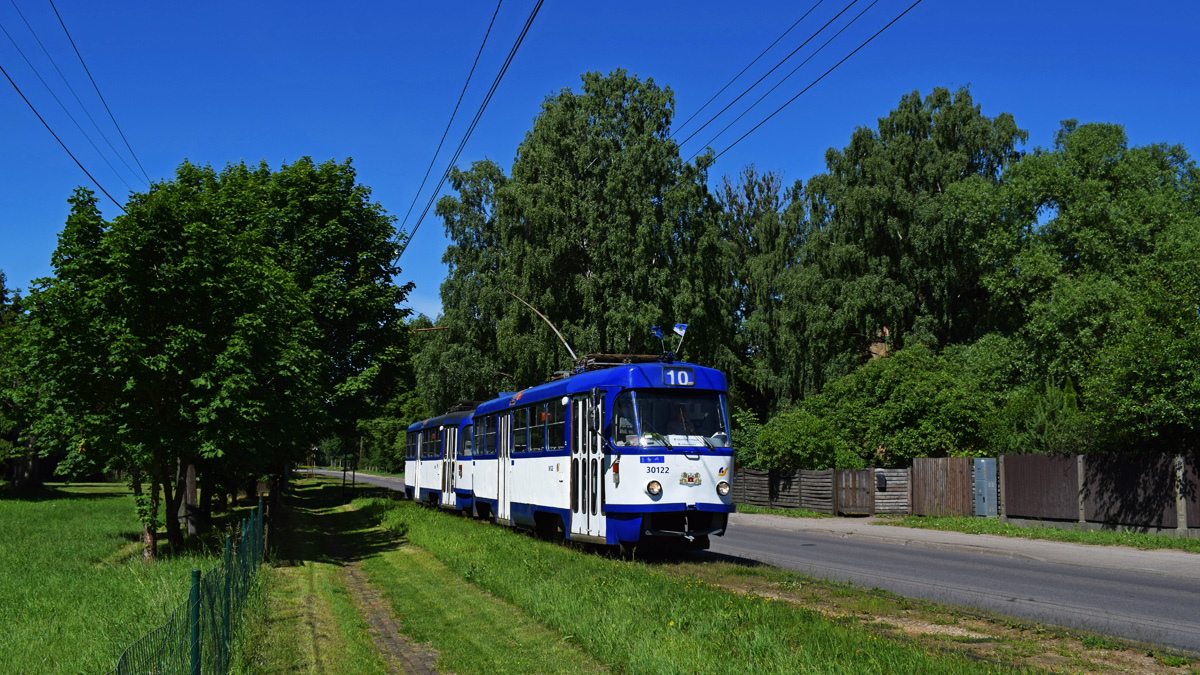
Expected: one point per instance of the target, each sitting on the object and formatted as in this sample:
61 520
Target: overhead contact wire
748 66
768 73
64 145
814 82
97 88
64 108
72 90
445 174
785 78
452 115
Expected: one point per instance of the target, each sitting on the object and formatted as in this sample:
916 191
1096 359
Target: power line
495 84
64 108
814 82
97 88
785 78
748 66
452 115
768 73
64 145
70 88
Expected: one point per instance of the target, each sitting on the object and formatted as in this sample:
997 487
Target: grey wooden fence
864 491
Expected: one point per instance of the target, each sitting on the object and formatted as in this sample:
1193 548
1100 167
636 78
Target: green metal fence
195 639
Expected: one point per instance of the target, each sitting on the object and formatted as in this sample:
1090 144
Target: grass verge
304 620
74 592
309 623
1098 538
641 619
933 627
790 513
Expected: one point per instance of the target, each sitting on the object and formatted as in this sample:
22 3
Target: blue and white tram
432 470
620 455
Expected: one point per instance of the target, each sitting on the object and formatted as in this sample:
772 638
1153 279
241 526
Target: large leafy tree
886 257
601 226
169 337
340 249
1091 258
228 320
762 243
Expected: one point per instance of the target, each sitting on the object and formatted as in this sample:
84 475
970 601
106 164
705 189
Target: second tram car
622 453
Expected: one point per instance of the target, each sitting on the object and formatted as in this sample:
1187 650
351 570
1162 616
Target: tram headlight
654 488
723 488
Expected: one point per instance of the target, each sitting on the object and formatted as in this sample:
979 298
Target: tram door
504 469
450 454
587 465
416 478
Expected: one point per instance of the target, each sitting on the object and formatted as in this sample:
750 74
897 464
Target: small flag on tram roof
680 329
656 332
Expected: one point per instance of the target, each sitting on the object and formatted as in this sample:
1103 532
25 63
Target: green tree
226 321
886 258
761 245
601 226
10 425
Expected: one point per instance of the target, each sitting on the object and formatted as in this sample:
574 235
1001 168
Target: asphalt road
1151 597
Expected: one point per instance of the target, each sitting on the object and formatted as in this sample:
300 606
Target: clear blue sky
220 82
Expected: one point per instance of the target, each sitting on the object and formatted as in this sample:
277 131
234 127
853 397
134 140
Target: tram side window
430 443
465 450
537 427
556 425
520 429
624 424
409 450
489 437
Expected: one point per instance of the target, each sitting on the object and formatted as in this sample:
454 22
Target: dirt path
401 654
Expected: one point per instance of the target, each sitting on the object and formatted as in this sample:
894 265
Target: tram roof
626 376
448 419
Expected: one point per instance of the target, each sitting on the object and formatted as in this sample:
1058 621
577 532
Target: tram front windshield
692 418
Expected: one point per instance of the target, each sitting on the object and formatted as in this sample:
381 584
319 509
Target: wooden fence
943 486
1092 490
832 491
1103 490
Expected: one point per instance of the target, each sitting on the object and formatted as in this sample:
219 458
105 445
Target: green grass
309 623
74 592
1099 538
304 620
791 513
638 618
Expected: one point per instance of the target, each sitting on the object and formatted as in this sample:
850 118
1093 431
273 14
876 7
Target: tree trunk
208 495
149 529
190 507
25 468
173 498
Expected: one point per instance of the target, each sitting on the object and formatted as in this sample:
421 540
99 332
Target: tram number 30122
658 469
678 377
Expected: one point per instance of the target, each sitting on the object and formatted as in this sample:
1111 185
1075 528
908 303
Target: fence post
1181 504
225 612
262 538
1082 480
195 622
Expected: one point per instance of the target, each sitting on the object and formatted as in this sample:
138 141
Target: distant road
1144 596
396 484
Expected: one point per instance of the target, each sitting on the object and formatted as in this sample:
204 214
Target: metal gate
985 487
587 466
